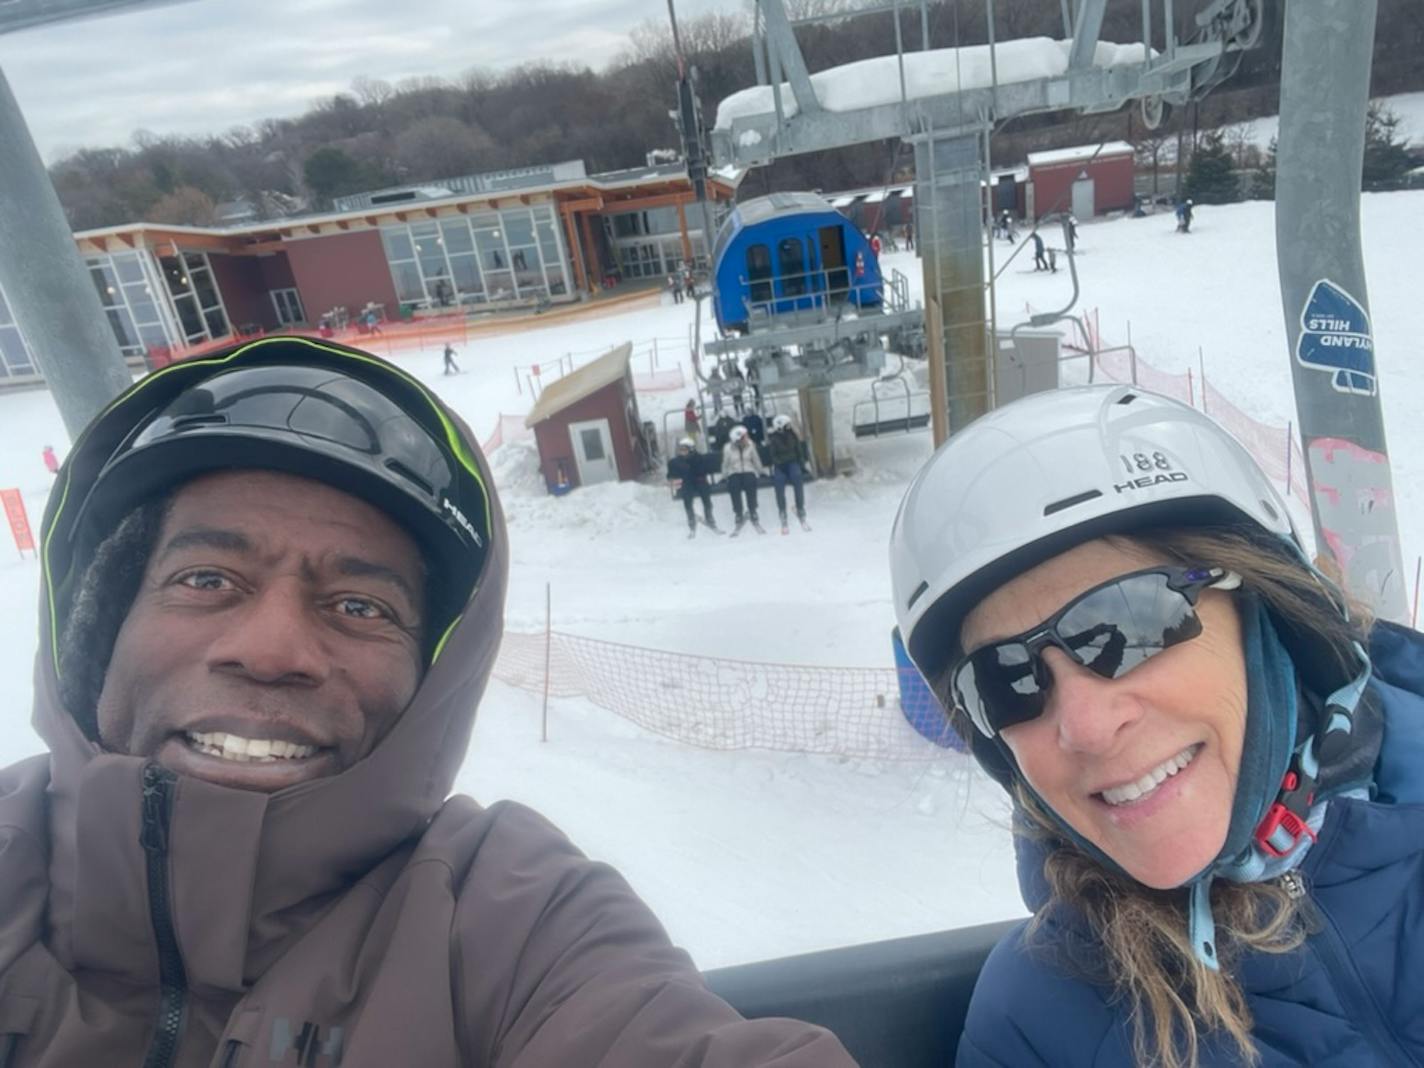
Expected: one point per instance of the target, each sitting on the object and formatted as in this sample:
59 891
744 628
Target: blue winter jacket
1351 997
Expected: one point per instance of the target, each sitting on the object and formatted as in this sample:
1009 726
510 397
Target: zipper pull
1293 885
157 784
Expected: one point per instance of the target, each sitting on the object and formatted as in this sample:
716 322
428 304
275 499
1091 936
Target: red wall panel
342 269
1112 184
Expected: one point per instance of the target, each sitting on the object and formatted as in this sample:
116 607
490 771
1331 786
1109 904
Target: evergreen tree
1210 176
1387 158
1263 178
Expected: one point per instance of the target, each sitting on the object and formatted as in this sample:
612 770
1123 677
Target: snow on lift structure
945 103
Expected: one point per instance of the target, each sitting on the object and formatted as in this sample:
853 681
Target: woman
743 470
1220 801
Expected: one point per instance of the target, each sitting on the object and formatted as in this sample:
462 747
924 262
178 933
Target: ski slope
752 855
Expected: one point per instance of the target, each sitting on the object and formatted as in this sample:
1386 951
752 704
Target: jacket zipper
158 786
1359 1003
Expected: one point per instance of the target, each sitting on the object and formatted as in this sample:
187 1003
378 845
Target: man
1040 262
273 591
451 367
687 475
785 447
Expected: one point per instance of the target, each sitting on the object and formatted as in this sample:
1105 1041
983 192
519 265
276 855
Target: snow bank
872 82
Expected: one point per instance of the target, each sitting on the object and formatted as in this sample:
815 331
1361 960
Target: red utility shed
586 424
1087 180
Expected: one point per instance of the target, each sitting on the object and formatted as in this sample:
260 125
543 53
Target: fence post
1201 360
655 354
548 645
1191 388
517 384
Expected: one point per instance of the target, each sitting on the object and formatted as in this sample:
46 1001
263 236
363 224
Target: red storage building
586 424
1087 180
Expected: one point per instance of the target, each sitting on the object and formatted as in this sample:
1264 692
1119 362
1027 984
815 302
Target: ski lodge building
520 238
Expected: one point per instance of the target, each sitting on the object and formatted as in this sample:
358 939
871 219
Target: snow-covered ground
750 855
1409 107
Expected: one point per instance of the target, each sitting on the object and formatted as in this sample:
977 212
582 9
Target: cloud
203 66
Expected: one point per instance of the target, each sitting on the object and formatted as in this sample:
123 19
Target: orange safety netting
723 704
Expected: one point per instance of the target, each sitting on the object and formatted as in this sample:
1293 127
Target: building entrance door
1084 204
593 452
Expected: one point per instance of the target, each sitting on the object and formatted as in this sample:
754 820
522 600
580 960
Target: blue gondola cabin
788 254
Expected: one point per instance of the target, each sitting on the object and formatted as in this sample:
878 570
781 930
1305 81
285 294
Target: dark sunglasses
1109 630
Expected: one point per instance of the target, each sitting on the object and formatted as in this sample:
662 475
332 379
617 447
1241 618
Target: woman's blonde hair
1172 998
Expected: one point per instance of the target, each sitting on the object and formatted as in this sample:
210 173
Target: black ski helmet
304 407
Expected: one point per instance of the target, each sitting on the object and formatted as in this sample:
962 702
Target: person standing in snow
1006 223
1040 260
451 367
743 469
785 447
1184 216
687 474
51 461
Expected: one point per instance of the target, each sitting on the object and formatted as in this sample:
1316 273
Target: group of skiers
743 454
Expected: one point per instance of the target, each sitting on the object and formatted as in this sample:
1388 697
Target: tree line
423 129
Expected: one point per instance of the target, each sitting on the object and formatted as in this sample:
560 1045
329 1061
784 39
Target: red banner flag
14 506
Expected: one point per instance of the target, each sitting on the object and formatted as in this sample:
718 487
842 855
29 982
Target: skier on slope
786 448
1040 259
451 367
687 473
742 468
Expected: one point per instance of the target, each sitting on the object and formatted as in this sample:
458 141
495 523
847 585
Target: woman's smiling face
1143 766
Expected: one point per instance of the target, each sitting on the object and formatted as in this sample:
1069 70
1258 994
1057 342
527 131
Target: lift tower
44 280
945 103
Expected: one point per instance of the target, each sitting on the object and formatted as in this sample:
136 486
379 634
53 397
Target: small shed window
791 266
592 444
759 273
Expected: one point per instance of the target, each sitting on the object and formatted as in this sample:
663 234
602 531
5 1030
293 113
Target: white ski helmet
781 422
1048 472
686 443
737 433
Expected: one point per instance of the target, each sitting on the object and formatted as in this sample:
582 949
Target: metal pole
548 647
1325 76
46 283
1290 456
950 233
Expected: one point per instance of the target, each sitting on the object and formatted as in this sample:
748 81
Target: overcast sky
207 65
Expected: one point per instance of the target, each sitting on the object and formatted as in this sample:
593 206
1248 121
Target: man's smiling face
276 636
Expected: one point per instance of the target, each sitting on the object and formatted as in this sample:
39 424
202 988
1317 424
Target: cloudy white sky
204 66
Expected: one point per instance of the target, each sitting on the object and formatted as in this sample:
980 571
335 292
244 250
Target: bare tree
440 147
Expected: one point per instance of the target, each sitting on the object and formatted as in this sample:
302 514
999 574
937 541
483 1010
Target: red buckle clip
1278 817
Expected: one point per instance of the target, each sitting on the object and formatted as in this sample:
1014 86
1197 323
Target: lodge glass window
15 358
195 297
485 257
133 302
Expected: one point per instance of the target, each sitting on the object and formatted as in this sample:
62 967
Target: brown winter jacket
367 920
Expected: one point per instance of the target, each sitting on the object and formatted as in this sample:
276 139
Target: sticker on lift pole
1335 336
